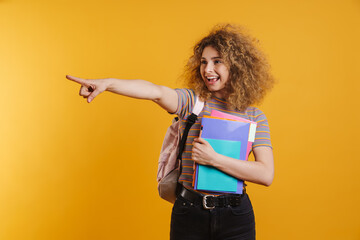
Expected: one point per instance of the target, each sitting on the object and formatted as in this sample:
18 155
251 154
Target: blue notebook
228 138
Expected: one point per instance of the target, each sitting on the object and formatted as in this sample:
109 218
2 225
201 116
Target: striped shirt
186 101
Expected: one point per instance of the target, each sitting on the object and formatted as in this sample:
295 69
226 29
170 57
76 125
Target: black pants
192 222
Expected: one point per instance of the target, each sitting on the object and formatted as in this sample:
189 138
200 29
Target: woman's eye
218 61
203 62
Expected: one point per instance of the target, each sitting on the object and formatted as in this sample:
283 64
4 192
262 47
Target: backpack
169 167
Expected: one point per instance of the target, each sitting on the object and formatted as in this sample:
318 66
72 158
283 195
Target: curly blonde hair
249 71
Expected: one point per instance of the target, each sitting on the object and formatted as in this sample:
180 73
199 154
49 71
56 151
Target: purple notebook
220 131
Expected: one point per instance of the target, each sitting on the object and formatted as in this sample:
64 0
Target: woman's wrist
110 84
216 160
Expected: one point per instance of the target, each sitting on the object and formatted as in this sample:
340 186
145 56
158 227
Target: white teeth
212 77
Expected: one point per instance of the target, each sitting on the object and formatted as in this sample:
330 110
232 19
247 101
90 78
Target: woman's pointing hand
90 88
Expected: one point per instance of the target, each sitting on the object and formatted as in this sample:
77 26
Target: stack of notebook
231 136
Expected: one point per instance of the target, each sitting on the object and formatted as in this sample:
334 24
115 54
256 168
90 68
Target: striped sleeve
262 136
185 102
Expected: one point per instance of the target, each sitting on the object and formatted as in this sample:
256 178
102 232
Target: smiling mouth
212 80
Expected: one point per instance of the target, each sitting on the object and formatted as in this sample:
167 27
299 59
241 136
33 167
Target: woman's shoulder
186 95
185 91
186 101
255 114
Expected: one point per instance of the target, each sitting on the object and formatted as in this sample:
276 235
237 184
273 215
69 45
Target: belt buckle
205 203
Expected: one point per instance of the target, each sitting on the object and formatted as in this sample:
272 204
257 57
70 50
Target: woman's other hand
202 152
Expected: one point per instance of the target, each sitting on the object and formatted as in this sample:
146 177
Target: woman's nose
209 68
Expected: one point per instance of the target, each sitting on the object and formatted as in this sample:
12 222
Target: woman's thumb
93 95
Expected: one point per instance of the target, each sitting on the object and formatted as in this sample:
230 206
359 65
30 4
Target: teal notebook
210 178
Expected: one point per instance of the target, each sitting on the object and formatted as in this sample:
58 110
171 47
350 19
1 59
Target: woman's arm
260 171
166 97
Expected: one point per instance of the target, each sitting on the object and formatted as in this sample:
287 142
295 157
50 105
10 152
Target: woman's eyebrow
211 58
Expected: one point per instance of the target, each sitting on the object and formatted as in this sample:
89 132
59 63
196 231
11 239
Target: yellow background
72 170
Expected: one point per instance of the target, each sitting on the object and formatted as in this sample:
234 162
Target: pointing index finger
78 80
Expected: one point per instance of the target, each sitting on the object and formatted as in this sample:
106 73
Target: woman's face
214 72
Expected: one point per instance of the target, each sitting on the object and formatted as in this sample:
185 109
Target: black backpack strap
189 122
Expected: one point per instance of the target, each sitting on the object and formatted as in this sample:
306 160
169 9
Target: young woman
229 73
